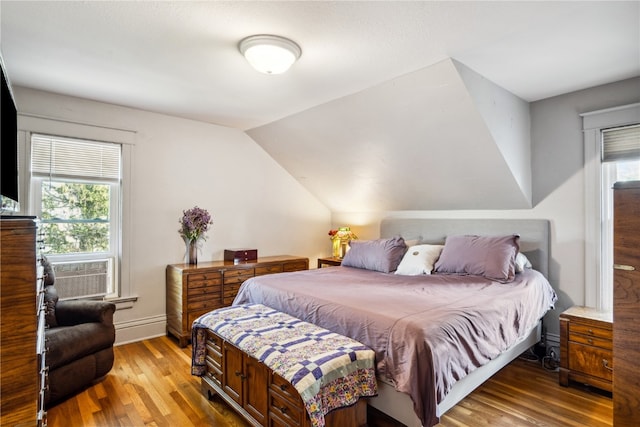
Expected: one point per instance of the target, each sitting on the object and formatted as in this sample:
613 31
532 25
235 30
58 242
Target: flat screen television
8 144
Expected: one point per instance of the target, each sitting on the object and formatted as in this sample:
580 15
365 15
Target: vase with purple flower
194 224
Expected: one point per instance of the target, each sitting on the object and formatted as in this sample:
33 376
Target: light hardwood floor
151 385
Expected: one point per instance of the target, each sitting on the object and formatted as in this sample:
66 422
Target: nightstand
329 261
586 347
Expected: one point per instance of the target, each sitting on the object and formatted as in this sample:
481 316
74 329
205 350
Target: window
620 162
612 153
76 187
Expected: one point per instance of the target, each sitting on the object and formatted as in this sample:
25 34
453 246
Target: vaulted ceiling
442 137
392 106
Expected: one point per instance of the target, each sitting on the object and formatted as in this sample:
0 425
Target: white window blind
75 159
621 143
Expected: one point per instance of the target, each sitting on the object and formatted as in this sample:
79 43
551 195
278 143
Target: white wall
176 165
507 117
558 187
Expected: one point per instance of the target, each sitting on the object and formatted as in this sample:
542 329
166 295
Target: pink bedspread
427 331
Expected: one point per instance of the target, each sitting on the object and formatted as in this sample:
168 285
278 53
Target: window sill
122 303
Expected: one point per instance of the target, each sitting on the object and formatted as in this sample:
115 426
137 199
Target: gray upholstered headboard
534 233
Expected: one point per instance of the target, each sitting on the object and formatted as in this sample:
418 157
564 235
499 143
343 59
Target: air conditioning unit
79 279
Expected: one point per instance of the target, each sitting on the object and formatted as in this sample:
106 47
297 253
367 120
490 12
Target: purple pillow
493 257
379 255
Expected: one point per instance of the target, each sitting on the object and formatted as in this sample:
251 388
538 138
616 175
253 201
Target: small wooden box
240 254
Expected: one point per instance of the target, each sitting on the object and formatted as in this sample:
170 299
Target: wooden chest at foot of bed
260 395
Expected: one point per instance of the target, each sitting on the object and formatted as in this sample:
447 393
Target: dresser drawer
228 274
604 343
230 291
214 342
296 265
195 293
591 361
197 280
214 374
291 413
283 387
208 303
589 330
269 269
214 357
237 279
212 294
214 350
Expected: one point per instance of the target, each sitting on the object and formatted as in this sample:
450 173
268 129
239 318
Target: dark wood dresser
586 347
22 379
626 304
193 290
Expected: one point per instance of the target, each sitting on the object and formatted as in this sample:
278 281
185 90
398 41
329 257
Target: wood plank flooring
151 385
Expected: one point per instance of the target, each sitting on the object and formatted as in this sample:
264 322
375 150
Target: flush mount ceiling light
270 54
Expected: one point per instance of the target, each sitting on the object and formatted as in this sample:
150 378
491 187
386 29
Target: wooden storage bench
249 359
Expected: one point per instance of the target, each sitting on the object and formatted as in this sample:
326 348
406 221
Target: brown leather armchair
78 341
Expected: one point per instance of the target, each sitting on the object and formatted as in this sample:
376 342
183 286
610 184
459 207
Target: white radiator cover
82 278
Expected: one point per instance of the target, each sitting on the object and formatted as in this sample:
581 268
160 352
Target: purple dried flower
194 223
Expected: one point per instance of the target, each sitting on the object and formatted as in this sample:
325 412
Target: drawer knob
283 387
605 363
240 374
283 409
590 331
590 341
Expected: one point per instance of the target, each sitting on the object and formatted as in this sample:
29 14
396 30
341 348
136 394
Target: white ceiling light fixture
270 54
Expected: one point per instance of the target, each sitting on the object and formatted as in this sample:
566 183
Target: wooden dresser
22 378
586 347
193 290
626 304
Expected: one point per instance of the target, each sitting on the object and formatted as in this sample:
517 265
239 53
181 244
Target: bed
436 337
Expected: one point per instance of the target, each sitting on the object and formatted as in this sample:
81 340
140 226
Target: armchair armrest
74 312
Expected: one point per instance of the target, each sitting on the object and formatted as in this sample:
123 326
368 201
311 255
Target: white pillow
522 262
419 259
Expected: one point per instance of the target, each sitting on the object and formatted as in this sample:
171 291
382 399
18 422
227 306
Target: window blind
76 159
621 143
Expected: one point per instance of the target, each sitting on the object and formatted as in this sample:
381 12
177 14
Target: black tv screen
8 142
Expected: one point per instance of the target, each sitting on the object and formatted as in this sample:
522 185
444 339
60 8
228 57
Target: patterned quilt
328 370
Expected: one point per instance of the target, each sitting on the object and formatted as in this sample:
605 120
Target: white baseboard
140 329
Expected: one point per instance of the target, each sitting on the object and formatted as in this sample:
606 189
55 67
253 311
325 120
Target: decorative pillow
419 260
488 256
379 255
522 262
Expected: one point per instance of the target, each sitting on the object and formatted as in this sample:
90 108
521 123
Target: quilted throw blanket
328 370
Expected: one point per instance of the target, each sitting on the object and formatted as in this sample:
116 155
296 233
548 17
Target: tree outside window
75 217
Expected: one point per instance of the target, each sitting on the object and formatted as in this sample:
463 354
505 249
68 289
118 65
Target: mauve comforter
427 331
